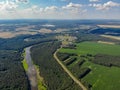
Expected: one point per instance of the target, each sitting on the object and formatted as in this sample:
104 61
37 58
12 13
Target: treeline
64 56
80 72
70 61
19 43
77 69
54 76
107 60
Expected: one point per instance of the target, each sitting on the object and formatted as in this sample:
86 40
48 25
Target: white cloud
8 6
51 8
94 0
73 9
105 6
71 6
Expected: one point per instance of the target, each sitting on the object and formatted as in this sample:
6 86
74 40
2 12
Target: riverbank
32 71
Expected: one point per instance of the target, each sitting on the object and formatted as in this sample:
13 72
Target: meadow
94 48
100 77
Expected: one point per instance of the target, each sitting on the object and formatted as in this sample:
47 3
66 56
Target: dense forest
54 76
12 74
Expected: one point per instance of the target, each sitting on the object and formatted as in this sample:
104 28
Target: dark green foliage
70 61
19 43
81 62
107 60
71 46
70 87
88 86
63 56
76 69
84 72
54 76
12 74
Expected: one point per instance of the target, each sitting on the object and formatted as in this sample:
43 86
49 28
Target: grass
94 48
25 65
101 77
41 85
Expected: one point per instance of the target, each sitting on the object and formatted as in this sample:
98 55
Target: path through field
68 72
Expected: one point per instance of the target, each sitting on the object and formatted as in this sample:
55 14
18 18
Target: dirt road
68 72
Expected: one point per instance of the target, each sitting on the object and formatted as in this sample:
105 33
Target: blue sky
59 9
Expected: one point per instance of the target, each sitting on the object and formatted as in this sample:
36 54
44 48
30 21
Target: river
31 73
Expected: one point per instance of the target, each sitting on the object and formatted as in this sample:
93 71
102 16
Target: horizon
62 19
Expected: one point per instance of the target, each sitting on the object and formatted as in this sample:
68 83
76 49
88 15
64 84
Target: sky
59 9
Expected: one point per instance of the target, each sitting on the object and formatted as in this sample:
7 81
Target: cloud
8 6
39 9
71 6
51 8
105 6
94 0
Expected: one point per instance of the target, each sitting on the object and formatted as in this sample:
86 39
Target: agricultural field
94 48
94 75
102 77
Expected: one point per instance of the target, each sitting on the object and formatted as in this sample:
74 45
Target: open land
101 77
94 48
109 26
111 37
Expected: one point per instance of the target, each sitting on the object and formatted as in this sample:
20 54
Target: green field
94 48
100 77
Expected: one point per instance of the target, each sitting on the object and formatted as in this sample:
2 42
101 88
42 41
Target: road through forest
68 72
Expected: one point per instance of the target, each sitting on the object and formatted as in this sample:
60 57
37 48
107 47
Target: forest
12 73
50 69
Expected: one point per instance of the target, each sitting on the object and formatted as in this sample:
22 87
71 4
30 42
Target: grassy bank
41 85
24 62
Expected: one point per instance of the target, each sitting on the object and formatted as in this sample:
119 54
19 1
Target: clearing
109 26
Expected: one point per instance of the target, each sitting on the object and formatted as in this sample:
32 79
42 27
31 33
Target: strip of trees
54 76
